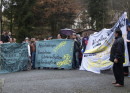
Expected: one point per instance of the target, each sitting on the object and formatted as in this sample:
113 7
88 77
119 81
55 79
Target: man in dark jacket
118 57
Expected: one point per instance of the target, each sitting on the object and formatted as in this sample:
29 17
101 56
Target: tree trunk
11 22
53 29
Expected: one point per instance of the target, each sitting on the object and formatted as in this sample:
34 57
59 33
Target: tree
26 16
8 14
85 20
97 10
0 17
20 13
57 14
121 6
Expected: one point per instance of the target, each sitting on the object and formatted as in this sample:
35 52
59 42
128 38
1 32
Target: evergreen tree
58 14
97 10
28 15
20 13
24 18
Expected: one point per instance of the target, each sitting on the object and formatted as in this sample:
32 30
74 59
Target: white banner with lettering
97 54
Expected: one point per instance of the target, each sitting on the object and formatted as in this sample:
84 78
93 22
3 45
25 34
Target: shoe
114 83
119 85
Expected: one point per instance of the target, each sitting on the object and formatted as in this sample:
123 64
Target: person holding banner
10 40
76 52
14 40
128 46
61 36
33 51
50 38
117 56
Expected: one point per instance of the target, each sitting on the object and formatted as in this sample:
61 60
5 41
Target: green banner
13 57
54 53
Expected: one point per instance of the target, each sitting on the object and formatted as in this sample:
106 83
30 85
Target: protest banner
54 53
97 54
13 57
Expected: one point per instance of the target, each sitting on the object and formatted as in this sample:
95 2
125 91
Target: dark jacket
118 50
128 35
5 38
76 46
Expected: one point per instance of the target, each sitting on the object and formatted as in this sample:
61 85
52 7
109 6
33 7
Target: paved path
61 81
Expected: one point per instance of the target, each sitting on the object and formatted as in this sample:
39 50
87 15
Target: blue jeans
77 59
33 59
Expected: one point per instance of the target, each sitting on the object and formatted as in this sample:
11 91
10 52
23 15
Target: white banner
97 54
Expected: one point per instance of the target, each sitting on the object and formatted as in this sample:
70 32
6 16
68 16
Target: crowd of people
80 44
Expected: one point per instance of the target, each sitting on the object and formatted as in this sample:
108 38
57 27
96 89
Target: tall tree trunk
54 29
11 20
1 17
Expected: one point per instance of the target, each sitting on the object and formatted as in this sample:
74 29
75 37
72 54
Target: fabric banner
97 54
54 53
13 57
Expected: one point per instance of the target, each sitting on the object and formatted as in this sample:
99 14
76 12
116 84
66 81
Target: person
33 51
37 39
1 42
5 37
10 40
85 41
79 39
76 52
117 56
59 36
9 35
14 40
126 69
49 38
26 40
